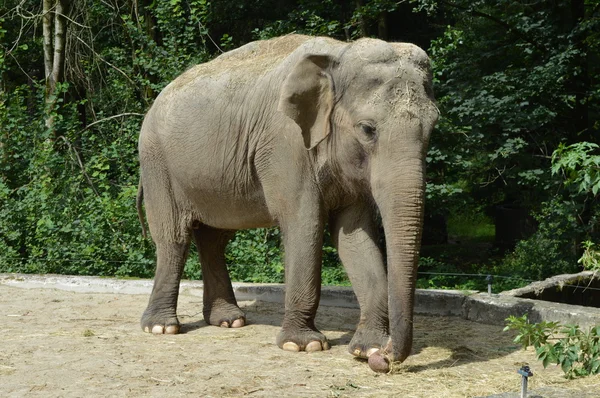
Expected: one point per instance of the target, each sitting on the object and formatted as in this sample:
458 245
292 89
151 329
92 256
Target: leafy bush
565 220
530 334
551 250
576 351
254 256
437 274
590 259
62 215
474 226
580 165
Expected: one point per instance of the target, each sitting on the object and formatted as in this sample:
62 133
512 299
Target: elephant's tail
138 205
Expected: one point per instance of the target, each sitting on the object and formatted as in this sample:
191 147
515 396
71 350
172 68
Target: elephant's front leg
303 241
355 234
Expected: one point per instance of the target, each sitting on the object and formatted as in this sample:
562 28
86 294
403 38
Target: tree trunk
60 38
47 31
54 52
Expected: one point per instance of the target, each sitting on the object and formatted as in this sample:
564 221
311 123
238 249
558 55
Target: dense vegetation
517 84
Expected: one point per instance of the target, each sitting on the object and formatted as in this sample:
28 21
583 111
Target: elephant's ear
307 97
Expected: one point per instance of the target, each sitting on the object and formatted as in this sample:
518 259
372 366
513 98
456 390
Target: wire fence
489 277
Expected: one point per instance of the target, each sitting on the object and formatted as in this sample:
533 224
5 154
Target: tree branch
91 183
75 23
105 61
81 166
109 118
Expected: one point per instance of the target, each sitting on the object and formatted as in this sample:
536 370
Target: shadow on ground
460 339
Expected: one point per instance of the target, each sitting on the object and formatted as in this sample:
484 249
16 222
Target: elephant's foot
367 341
225 315
302 340
160 322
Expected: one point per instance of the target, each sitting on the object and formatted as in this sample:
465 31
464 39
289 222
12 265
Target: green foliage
516 85
474 226
310 17
62 216
590 259
505 77
576 351
551 250
563 221
579 165
254 256
440 274
530 334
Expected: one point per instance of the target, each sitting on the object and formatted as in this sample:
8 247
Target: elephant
305 133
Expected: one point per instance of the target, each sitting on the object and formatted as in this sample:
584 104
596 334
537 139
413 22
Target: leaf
545 361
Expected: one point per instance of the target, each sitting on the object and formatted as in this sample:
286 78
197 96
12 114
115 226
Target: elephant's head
367 113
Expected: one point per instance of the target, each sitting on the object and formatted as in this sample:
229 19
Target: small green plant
591 256
577 351
530 334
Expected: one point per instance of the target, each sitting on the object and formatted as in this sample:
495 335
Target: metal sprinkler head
525 373
489 279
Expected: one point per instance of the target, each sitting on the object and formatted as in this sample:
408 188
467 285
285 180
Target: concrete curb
478 307
547 392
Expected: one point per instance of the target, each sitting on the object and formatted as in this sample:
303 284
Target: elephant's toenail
158 329
356 352
147 329
224 324
372 351
289 346
173 329
238 323
325 345
314 346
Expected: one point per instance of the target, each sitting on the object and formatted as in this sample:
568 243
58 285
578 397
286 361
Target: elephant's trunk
400 201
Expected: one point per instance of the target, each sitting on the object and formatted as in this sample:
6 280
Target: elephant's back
243 64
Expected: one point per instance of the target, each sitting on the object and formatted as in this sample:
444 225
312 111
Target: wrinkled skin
302 133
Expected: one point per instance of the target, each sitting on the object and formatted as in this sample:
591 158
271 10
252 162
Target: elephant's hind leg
220 305
170 230
161 314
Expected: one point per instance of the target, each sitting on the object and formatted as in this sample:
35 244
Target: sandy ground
64 344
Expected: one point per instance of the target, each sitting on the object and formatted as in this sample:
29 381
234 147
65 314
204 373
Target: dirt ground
63 344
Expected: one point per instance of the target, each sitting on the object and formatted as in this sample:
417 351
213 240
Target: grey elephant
302 133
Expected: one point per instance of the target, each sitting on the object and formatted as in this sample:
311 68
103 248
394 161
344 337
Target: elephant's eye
368 129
